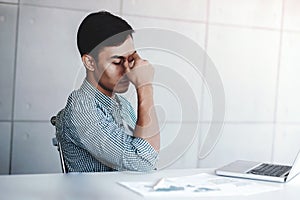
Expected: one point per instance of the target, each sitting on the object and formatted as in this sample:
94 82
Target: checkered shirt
95 132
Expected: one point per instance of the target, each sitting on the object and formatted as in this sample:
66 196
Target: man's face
111 65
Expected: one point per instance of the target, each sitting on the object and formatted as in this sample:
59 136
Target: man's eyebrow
121 57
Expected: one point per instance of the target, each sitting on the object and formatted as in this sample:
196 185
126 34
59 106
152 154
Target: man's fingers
135 60
136 56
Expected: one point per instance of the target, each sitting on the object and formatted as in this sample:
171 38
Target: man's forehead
122 54
125 49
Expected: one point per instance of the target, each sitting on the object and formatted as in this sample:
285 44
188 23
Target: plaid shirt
95 132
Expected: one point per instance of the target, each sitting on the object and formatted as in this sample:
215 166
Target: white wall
254 45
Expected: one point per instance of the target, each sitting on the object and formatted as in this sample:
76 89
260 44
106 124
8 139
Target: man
98 129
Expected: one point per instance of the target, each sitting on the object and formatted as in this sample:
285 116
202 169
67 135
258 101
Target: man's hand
140 72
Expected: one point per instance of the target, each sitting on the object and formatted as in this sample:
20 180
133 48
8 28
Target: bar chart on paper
199 185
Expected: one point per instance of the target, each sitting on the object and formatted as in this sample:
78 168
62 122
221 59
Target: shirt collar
108 102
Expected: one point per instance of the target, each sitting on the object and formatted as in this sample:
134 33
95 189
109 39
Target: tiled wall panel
8 20
90 5
247 62
47 62
33 151
194 10
241 142
291 15
5 136
266 13
288 96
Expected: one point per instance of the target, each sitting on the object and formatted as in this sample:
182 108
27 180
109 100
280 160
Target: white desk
94 186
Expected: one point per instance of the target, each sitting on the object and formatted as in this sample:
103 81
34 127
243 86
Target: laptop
261 171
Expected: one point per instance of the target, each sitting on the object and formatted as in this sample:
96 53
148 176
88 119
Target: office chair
56 143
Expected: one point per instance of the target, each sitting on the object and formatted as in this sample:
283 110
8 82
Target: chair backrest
56 143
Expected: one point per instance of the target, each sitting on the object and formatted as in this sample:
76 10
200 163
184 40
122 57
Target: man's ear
89 62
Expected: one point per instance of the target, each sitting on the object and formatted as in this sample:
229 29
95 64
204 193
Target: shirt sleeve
94 130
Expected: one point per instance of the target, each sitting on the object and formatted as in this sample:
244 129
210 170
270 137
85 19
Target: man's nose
126 63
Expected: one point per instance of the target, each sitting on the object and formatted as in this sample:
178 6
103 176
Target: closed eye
121 62
118 62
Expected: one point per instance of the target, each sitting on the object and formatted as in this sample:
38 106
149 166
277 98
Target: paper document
199 185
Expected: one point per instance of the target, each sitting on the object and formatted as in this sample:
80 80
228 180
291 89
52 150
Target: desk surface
105 186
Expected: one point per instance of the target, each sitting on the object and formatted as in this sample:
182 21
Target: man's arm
147 125
141 75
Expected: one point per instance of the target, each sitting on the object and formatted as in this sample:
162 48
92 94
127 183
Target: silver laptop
261 171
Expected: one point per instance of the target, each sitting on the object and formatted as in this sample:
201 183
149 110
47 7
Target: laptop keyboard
270 170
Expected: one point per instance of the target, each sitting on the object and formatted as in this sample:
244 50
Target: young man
98 129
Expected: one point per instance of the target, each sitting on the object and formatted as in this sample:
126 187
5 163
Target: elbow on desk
141 156
141 163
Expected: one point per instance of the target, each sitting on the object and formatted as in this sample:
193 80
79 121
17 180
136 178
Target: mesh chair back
56 143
